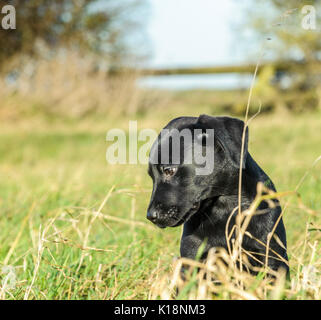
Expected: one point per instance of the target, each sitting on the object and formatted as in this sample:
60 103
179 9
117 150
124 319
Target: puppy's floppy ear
228 131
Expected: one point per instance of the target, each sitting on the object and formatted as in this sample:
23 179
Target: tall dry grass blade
90 226
286 206
239 236
15 242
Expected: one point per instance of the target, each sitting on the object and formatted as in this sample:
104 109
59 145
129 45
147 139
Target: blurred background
72 225
73 58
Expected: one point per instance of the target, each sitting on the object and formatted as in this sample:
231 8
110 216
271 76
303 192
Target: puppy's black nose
152 215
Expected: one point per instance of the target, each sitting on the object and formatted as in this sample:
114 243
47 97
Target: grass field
73 226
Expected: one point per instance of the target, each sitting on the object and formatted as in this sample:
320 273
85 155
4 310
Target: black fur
204 202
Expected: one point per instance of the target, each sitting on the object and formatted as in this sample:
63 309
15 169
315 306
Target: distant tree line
290 30
102 27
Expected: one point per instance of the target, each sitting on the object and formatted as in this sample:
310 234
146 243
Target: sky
193 32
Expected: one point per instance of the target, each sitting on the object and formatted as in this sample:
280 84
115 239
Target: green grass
53 178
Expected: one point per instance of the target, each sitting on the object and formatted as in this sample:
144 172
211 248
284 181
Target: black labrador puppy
204 200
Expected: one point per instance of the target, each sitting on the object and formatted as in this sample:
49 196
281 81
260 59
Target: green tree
99 26
293 28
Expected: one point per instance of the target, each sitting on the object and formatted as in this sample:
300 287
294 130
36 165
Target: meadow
74 227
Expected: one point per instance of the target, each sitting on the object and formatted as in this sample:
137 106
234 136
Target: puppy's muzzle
152 215
161 216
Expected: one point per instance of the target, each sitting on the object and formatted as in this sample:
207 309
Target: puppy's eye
169 171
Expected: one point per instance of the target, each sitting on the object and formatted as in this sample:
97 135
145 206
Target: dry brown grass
73 86
219 277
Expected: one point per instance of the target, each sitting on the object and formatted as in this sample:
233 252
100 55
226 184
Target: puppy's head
190 162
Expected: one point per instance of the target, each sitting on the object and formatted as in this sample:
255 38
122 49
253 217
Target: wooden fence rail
280 66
